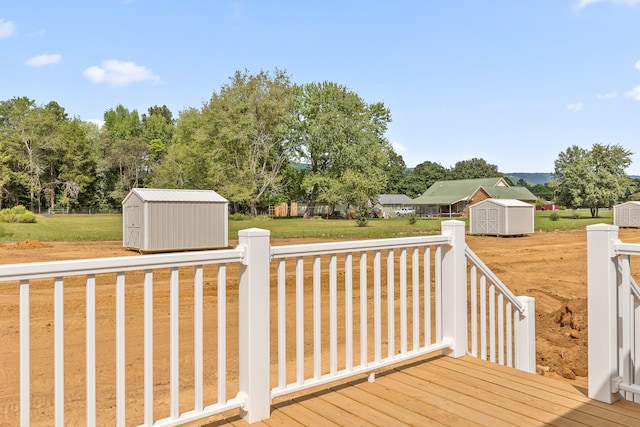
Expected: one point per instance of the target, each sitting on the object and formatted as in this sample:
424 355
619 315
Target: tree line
259 140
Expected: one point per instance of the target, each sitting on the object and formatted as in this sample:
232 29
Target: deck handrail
475 260
82 267
614 316
509 337
417 287
325 248
394 250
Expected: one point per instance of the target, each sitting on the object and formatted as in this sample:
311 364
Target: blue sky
513 82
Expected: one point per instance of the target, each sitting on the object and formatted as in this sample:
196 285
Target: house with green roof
452 198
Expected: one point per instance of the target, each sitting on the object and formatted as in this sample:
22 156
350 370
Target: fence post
254 324
602 272
454 288
525 345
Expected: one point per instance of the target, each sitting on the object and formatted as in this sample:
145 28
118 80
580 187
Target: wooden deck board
448 392
626 412
407 411
551 402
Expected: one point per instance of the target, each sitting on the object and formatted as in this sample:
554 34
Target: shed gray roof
631 202
163 195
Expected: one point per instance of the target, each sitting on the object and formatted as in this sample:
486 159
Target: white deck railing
374 303
511 320
614 316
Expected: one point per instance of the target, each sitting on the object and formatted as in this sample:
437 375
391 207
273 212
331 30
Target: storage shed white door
629 216
488 220
132 224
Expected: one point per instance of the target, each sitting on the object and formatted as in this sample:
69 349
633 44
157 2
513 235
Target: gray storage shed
501 217
627 214
155 220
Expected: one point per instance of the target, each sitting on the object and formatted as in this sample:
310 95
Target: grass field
109 227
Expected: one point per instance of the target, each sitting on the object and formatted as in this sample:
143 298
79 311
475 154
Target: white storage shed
156 220
501 217
627 214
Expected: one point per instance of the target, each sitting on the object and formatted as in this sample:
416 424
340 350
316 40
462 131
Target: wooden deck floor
449 392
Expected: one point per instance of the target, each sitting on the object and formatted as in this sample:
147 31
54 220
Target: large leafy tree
187 161
15 145
474 168
157 132
396 172
126 151
248 124
77 167
423 176
592 178
341 139
28 133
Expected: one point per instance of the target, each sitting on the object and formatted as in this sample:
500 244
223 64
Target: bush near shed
17 214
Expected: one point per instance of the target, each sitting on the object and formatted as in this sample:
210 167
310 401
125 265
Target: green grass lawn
65 228
109 227
570 219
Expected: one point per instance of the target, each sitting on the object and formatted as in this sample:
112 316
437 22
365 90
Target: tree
28 133
474 168
396 172
126 150
76 171
187 161
341 139
163 112
522 183
248 126
592 178
424 176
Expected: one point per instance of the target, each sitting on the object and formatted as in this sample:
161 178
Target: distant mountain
532 178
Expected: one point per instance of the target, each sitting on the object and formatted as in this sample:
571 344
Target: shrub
239 217
575 215
554 216
361 215
413 218
27 218
17 214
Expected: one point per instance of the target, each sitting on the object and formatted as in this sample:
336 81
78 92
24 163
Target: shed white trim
158 220
501 217
164 195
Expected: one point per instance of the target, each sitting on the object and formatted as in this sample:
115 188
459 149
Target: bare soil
551 267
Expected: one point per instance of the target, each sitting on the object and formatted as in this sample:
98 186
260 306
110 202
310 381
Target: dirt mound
562 340
28 245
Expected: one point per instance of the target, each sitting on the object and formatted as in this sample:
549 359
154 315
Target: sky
512 82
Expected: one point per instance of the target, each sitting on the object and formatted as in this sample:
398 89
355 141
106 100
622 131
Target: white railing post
254 324
454 292
525 345
602 271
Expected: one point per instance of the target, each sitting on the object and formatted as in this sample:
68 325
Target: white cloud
96 122
120 73
398 148
7 29
581 4
638 65
609 95
46 59
575 107
634 93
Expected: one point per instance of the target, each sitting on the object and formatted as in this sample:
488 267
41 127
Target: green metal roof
450 192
